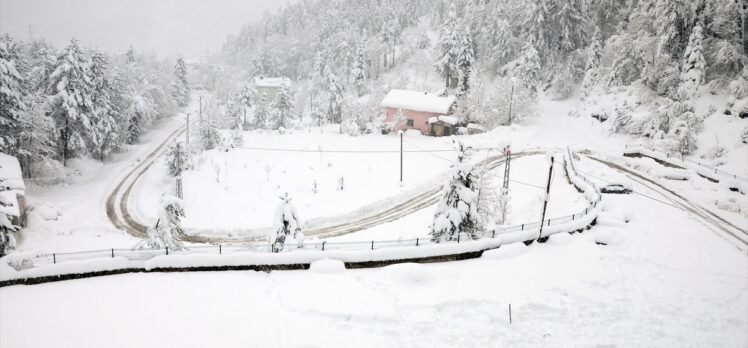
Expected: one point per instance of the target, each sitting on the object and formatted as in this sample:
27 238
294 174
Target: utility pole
505 188
547 195
187 134
511 99
401 157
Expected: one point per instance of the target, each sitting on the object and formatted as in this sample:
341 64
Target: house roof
274 82
451 120
11 177
418 101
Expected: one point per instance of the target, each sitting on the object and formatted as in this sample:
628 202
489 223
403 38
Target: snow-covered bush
457 210
168 229
237 138
177 159
562 83
682 138
286 225
744 136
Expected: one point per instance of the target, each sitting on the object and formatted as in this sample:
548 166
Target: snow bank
327 266
711 173
505 251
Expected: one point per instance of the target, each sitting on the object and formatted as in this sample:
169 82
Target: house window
410 122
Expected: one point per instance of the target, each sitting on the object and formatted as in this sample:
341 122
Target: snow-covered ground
659 283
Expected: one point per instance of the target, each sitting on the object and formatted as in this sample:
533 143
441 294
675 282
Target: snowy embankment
710 173
357 254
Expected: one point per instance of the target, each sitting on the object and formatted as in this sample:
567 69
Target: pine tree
571 25
209 137
177 159
465 61
104 116
621 118
359 69
503 46
537 22
71 90
448 48
692 73
682 137
592 73
283 108
261 113
181 87
528 69
335 100
11 95
138 116
671 26
457 210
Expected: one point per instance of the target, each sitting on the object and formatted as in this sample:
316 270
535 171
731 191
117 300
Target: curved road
118 211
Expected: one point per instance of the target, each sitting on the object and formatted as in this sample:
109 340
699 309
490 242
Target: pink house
417 108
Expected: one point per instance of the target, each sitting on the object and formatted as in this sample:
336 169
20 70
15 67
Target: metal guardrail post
417 239
54 258
323 246
167 250
112 252
219 249
372 245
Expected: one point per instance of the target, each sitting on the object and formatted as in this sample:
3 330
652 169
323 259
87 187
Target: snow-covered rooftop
10 173
446 119
418 101
274 82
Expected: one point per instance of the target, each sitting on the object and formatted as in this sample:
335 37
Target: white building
270 86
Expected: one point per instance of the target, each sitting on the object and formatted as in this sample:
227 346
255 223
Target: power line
351 151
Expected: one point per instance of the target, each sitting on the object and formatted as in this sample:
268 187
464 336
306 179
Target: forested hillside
656 58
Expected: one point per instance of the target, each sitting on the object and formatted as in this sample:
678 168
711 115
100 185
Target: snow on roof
446 119
418 101
10 173
274 82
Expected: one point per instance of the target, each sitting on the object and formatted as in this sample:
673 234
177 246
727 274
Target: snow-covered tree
261 113
11 95
71 90
536 24
465 61
448 49
168 232
570 25
563 82
528 68
592 66
282 108
139 115
744 135
104 118
672 25
621 118
181 87
209 136
423 42
692 73
627 62
177 159
286 225
335 100
457 210
503 43
662 76
359 69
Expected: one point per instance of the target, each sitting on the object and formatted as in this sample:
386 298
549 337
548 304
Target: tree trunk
745 26
64 134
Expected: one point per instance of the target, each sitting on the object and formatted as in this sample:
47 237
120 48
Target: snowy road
726 229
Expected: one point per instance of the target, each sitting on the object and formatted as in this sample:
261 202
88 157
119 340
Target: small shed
12 190
271 86
443 126
412 109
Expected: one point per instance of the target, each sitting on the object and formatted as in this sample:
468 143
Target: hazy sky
189 27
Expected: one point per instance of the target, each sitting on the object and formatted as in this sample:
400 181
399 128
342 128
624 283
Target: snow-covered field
659 283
